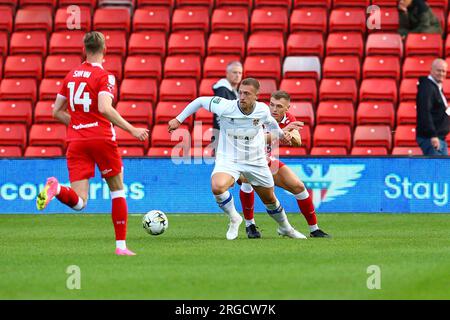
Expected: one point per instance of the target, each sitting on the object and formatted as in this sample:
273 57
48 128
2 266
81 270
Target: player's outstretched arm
59 111
190 109
106 109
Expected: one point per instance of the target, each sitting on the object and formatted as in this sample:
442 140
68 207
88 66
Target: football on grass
155 222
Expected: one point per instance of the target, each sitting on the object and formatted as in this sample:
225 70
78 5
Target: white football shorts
256 175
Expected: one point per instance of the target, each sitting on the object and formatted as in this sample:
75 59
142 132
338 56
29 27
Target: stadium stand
343 76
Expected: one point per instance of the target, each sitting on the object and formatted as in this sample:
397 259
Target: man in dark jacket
416 16
227 87
432 111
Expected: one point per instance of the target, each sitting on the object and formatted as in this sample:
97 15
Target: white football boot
291 233
233 228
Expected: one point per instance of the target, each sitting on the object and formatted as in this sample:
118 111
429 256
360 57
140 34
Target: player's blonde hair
251 82
280 94
94 42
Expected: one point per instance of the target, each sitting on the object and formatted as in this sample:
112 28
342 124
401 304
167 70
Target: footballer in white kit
241 150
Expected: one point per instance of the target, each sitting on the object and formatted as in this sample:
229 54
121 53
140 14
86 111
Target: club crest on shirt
216 100
255 122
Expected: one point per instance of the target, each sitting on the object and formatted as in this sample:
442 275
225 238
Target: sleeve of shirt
219 106
107 85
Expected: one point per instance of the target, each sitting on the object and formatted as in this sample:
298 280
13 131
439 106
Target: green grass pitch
193 260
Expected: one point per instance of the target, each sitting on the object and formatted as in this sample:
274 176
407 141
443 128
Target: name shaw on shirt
81 74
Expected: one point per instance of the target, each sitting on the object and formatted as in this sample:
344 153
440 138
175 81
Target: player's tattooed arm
60 110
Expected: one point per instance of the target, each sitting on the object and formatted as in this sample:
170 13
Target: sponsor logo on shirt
85 126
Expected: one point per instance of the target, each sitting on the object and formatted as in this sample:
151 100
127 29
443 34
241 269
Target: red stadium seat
43 112
136 111
328 151
18 89
407 113
302 111
342 67
131 151
261 43
6 20
381 67
147 43
269 19
10 151
242 3
290 151
63 19
441 16
369 151
226 42
205 87
166 152
305 44
340 112
16 111
13 134
300 89
49 88
29 42
345 43
66 42
167 110
116 42
125 139
112 18
407 151
408 89
273 3
348 19
57 66
442 4
3 44
38 3
23 66
378 89
113 63
190 18
338 89
351 3
385 3
405 136
372 136
178 90
33 18
414 67
267 87
310 3
230 18
333 135
162 138
424 44
305 133
309 19
152 18
384 44
48 134
143 89
375 113
215 66
87 3
262 67
143 67
43 151
202 152
187 42
202 135
204 116
389 20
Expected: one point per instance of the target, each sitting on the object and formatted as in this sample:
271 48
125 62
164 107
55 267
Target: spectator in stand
415 16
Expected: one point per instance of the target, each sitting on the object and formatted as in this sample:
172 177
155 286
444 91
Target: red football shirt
81 87
288 118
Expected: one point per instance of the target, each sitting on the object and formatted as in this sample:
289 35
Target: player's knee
298 187
218 187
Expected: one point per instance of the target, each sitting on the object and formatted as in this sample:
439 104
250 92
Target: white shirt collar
435 82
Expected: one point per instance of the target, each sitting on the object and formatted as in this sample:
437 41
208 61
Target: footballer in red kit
84 105
283 176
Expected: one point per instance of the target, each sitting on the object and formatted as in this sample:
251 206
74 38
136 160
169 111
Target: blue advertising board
346 184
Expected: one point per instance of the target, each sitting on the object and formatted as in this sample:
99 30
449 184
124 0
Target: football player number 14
79 96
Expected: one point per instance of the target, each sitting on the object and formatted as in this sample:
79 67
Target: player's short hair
233 64
281 94
94 42
251 82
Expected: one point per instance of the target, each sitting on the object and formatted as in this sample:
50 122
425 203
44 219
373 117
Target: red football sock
119 214
68 196
248 203
307 208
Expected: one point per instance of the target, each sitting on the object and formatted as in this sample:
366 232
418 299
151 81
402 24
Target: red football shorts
82 156
275 165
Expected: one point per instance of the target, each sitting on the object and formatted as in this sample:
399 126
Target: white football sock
226 203
121 244
246 187
249 222
277 213
313 228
